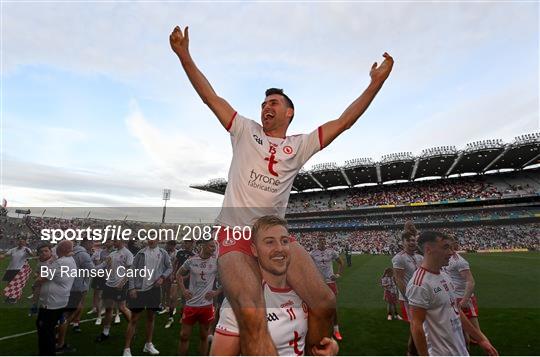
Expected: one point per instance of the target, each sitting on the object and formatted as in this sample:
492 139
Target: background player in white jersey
265 163
115 289
182 255
145 292
460 273
437 320
199 307
324 258
405 264
285 311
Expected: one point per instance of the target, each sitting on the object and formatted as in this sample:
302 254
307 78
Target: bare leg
183 345
305 279
123 308
203 345
150 318
247 300
76 316
62 330
130 331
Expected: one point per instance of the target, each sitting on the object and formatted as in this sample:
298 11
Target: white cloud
176 155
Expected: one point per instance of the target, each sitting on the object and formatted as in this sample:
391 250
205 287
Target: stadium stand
364 204
487 195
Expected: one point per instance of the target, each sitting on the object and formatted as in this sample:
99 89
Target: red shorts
390 297
404 310
471 310
333 287
227 242
201 314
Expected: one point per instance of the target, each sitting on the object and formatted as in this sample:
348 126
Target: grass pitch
507 287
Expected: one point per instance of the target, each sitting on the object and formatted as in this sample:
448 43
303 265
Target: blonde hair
266 222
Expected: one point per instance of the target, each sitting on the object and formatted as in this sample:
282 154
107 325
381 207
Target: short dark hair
265 222
430 237
279 91
43 245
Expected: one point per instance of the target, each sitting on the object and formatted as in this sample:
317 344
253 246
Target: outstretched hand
179 41
380 73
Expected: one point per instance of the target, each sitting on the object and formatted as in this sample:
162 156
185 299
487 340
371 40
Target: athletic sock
336 328
106 330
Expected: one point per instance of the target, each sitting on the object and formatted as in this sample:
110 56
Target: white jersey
202 275
434 292
286 314
19 256
456 265
324 261
408 263
389 284
121 259
262 171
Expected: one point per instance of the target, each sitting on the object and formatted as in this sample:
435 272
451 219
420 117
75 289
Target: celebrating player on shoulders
264 165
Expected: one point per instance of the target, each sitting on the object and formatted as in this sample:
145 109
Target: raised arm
180 45
379 74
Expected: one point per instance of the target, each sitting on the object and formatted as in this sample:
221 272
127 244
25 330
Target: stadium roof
478 157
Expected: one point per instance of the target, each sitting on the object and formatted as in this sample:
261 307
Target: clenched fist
179 41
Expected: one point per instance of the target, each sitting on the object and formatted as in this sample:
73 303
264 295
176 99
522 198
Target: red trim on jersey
419 276
229 126
277 290
404 311
226 333
319 130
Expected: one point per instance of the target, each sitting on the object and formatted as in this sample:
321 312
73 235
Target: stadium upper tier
478 157
484 187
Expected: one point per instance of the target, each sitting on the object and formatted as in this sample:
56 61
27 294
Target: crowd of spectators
396 194
526 236
393 219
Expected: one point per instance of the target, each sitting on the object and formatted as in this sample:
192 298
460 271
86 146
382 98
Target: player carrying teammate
285 311
324 258
436 319
202 269
264 165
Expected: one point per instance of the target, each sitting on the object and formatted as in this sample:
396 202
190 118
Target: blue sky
97 111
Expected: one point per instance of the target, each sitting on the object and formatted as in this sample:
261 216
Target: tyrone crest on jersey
272 160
